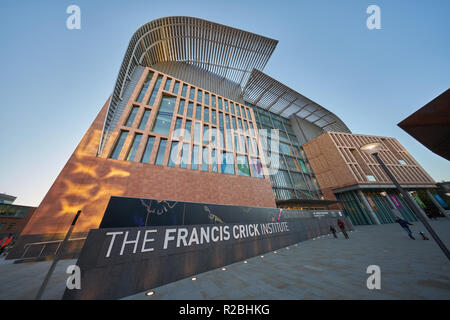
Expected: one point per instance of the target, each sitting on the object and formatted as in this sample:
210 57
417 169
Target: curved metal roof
269 94
225 51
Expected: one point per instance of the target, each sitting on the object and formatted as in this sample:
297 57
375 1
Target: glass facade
205 131
382 205
295 178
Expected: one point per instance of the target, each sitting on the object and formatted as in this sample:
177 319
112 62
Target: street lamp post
373 149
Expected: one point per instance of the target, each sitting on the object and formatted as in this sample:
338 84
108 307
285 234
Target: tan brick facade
338 162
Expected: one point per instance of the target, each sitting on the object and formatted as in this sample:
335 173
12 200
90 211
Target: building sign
116 262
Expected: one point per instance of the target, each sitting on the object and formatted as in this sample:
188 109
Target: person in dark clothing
333 231
342 227
405 225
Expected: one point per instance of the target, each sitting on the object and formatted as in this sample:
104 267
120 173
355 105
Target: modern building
13 218
365 192
191 118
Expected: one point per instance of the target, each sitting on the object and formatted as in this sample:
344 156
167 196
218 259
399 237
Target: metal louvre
224 51
270 94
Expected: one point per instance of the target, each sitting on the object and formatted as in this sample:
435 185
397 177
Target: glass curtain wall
295 178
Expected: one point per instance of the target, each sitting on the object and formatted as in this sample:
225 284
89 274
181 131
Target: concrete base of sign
115 263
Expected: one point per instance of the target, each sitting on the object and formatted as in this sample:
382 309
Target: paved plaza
328 268
325 268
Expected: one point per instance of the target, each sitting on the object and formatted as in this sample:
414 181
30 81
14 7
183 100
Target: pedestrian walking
342 227
405 225
333 231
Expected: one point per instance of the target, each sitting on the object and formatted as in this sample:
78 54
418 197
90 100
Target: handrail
54 241
44 243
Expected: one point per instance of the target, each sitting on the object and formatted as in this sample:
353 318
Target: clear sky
54 80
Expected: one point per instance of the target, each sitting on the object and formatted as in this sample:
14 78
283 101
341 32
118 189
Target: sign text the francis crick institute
178 237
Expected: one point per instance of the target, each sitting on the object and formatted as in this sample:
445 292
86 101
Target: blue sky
55 80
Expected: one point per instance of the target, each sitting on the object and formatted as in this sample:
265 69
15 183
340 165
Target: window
194 162
131 117
161 151
205 134
184 90
190 110
281 179
199 96
187 130
192 93
220 119
250 147
164 116
243 113
221 137
249 114
214 160
185 155
176 87
252 132
236 143
177 130
244 149
214 136
181 107
302 164
257 167
198 112
231 107
148 150
371 178
227 163
402 162
119 145
144 119
155 91
197 132
213 117
145 86
205 159
173 154
168 83
134 147
255 147
242 164
207 98
206 115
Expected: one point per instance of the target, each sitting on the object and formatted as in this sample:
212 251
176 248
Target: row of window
181 155
223 137
192 93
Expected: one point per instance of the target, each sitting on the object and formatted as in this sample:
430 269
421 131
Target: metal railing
44 244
